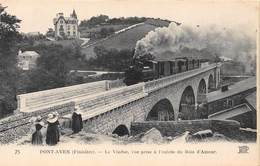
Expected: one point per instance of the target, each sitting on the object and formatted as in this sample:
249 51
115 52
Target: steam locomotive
136 74
146 71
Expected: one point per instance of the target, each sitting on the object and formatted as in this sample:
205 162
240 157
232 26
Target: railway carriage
158 68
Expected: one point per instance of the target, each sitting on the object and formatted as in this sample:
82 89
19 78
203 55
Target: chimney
224 88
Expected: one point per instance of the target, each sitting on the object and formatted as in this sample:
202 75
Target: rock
152 136
200 135
183 138
220 137
169 138
114 135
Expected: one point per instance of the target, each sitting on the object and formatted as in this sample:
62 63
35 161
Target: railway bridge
108 107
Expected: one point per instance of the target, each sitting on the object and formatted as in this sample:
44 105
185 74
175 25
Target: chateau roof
66 19
74 15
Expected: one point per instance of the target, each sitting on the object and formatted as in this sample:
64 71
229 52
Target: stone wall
175 128
16 126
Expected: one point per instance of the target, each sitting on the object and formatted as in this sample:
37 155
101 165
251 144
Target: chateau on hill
66 27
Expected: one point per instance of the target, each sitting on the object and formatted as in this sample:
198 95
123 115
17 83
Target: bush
111 59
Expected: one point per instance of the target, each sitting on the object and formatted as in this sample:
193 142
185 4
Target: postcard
120 82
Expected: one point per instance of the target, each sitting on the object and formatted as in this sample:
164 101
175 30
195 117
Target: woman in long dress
53 135
77 124
37 135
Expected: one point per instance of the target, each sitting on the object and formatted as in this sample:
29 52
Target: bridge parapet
94 105
160 83
35 101
115 83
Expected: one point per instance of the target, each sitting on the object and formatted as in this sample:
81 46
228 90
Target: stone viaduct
169 92
107 107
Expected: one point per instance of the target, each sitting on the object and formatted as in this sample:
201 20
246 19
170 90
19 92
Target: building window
74 27
68 27
225 104
68 32
74 33
61 21
162 69
171 68
229 103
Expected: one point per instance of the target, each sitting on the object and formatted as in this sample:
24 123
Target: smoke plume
230 43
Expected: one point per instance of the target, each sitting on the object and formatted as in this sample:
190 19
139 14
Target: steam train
134 75
151 70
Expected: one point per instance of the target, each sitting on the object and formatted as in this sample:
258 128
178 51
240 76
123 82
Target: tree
50 33
104 32
93 21
9 36
112 59
53 67
111 30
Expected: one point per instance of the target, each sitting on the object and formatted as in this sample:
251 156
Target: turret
74 15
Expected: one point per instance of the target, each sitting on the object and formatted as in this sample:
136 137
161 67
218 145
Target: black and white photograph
121 73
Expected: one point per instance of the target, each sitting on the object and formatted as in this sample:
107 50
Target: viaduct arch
202 91
161 111
211 84
187 104
121 130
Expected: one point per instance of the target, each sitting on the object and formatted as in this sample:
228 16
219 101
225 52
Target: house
27 59
235 102
66 27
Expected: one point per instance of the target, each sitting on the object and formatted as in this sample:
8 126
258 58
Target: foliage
104 19
112 59
53 66
9 36
31 39
93 21
128 20
104 32
50 33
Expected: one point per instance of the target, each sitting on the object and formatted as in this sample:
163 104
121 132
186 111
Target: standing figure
77 124
37 135
58 126
53 135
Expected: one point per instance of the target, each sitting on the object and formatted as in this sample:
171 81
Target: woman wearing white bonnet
53 135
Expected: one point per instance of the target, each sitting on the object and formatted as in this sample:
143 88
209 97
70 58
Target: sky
37 15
